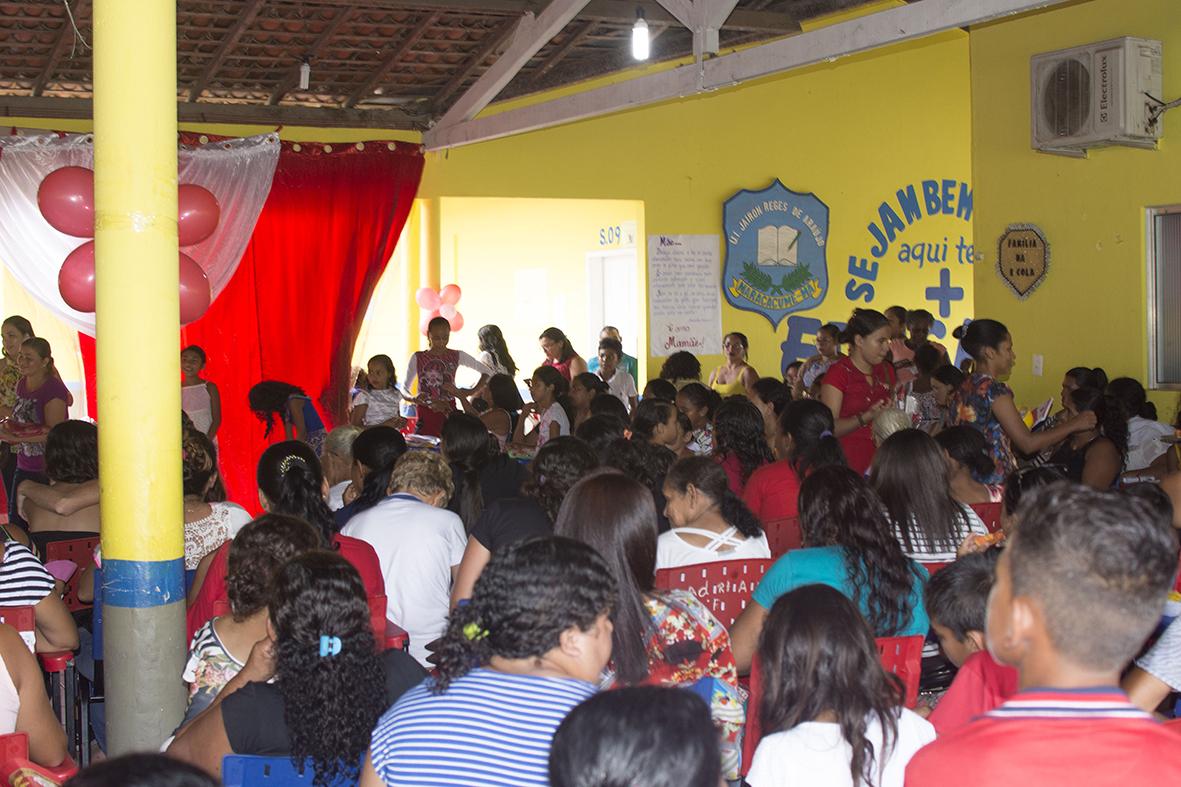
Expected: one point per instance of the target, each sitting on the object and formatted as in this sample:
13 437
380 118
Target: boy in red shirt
1079 588
957 603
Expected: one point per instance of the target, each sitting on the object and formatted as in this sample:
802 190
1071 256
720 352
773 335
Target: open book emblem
776 242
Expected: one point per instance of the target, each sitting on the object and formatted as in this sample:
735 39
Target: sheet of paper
684 296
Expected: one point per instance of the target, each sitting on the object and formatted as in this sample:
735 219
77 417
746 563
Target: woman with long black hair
709 522
375 452
1094 457
740 442
481 474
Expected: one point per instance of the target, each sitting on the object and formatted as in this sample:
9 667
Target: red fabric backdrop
295 304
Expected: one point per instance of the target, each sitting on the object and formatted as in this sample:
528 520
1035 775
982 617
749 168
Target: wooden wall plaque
1023 258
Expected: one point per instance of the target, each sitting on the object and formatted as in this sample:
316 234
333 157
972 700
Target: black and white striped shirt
23 580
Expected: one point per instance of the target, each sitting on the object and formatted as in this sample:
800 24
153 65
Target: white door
612 298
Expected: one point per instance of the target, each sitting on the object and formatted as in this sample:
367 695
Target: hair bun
959 331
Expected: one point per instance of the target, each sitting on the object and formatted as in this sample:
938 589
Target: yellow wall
1090 310
853 132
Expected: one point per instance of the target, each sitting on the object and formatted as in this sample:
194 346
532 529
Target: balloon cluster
66 200
439 303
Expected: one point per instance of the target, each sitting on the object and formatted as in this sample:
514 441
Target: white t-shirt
672 551
383 404
336 495
555 414
416 545
817 755
622 387
1144 444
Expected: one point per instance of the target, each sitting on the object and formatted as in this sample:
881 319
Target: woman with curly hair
527 647
660 638
699 404
295 411
208 524
647 463
709 522
314 687
848 545
219 648
558 466
830 714
680 369
740 443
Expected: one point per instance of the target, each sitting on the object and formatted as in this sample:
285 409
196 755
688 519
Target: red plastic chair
17 768
725 587
934 568
990 515
58 666
902 656
783 535
81 552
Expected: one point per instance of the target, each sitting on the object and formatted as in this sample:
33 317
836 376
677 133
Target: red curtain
295 304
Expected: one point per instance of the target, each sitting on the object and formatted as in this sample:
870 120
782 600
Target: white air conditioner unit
1094 95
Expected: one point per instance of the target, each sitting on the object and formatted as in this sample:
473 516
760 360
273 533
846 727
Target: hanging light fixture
305 74
640 43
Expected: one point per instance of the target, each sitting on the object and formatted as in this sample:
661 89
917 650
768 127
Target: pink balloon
456 321
425 323
448 311
450 294
195 295
197 214
427 298
75 280
66 200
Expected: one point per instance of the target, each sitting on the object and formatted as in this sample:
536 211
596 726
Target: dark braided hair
529 593
559 464
330 703
838 508
377 449
289 475
71 452
708 477
257 553
739 430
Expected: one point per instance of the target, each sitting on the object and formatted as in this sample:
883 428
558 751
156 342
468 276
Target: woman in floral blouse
660 638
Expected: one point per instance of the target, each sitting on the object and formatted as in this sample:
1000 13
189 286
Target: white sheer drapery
237 171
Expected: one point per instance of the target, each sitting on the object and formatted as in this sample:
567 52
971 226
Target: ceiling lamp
640 43
305 74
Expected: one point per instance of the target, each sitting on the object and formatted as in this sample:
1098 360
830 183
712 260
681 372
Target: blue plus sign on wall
944 294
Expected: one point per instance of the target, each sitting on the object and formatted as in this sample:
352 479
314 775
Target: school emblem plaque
775 251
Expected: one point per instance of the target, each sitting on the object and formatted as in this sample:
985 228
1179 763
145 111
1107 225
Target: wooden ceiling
374 63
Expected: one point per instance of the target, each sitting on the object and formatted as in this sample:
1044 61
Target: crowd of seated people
527 556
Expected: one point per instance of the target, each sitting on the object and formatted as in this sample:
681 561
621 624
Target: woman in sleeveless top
1094 457
735 376
24 706
709 522
199 398
560 354
435 369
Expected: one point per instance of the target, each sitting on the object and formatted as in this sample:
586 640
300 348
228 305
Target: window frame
1152 265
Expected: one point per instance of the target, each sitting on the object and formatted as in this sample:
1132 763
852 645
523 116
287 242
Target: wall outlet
1038 364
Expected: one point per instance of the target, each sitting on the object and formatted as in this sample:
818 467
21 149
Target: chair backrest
243 770
934 568
81 552
990 515
724 587
783 535
902 656
24 620
17 768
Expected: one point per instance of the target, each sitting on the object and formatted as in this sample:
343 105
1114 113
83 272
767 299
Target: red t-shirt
733 467
1053 738
980 685
773 492
213 589
859 395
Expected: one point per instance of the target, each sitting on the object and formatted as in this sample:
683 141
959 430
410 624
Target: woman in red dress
860 385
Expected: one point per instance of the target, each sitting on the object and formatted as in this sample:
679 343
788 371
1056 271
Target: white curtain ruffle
237 171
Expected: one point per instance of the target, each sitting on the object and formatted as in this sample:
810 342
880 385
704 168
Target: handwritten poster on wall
684 303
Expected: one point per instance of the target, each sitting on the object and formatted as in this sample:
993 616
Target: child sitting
379 403
620 383
957 602
831 714
1080 586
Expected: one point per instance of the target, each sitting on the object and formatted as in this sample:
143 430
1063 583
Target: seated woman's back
24 706
709 522
69 503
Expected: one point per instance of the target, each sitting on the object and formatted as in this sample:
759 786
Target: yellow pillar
137 324
429 231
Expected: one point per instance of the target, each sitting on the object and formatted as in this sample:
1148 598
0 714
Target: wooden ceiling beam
574 39
228 42
366 88
291 79
65 38
243 114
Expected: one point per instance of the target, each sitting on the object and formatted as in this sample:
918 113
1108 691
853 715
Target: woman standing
560 354
494 351
860 385
14 332
828 350
41 404
295 410
735 376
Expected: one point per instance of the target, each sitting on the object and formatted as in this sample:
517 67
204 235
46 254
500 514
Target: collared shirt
1054 737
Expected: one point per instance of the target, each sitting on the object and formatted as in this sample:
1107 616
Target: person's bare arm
1028 442
749 377
369 777
1102 465
744 635
475 557
47 740
357 416
299 428
63 501
834 397
56 629
1145 690
577 366
214 409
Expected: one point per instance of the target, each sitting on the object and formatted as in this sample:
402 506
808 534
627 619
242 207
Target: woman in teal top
849 546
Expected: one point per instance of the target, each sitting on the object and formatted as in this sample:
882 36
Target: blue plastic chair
244 770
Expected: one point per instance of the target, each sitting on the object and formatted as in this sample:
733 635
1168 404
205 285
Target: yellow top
732 388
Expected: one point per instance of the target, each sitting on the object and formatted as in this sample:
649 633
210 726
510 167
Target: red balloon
197 214
427 298
75 280
450 294
425 323
66 200
456 321
195 295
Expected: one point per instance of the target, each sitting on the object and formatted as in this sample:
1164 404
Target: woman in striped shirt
527 648
24 582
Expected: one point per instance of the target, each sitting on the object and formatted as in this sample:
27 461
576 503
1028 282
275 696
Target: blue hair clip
826 433
329 646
